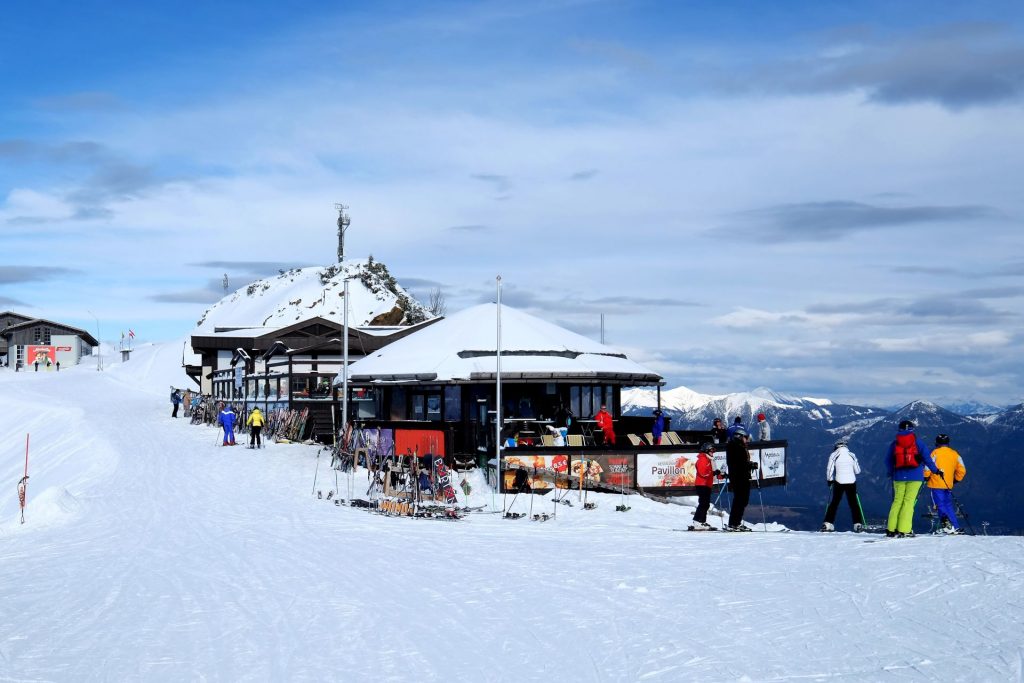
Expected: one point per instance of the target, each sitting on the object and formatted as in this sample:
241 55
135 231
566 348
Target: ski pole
23 484
764 520
957 506
315 472
863 518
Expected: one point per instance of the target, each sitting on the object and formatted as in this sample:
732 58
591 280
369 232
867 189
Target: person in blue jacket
227 420
737 426
658 428
905 462
175 401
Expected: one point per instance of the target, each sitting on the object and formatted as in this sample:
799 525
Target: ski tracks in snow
190 561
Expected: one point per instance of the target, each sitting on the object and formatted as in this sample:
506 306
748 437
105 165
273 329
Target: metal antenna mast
343 222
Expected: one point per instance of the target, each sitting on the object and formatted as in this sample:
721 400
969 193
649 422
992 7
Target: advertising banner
419 442
616 469
772 463
44 355
666 470
552 466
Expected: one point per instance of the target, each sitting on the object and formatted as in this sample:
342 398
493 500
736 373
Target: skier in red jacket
704 481
604 421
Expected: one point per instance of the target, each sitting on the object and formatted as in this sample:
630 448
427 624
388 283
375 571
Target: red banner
419 442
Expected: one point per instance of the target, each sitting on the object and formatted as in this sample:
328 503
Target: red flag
131 333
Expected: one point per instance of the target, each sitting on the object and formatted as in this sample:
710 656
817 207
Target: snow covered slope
375 299
151 554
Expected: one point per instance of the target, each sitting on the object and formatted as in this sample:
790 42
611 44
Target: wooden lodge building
25 341
283 367
432 388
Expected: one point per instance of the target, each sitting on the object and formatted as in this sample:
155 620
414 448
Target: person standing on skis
737 460
841 475
256 422
175 401
227 419
703 482
940 484
905 462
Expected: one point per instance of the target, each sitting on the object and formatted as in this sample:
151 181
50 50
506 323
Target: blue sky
818 198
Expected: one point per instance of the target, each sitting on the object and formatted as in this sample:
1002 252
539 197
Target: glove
753 467
717 473
828 482
942 475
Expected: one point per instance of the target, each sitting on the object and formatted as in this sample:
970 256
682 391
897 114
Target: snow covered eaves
463 347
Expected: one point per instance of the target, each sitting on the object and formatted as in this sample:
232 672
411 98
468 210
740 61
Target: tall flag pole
497 401
344 391
23 484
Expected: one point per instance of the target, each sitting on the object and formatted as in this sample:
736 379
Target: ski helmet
706 447
739 431
942 440
842 441
906 424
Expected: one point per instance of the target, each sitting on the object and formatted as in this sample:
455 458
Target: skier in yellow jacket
256 422
940 484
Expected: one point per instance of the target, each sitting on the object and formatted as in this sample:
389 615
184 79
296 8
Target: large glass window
398 404
364 402
418 410
453 403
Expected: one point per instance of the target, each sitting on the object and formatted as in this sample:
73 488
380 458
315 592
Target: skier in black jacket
737 459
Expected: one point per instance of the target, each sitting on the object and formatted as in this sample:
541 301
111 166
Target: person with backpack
703 482
175 401
737 460
940 483
841 475
227 419
256 422
905 462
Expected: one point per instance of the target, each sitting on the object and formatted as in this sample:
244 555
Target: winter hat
942 440
760 417
737 420
905 425
841 441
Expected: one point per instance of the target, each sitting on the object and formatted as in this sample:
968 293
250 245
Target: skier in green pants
905 462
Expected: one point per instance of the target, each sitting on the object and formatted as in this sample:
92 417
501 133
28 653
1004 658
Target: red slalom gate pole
23 484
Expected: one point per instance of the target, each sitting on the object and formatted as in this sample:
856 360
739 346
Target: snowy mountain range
375 298
989 444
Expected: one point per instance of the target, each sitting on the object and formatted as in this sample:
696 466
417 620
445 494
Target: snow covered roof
463 347
295 295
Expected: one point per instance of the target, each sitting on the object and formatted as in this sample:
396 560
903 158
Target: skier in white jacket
841 473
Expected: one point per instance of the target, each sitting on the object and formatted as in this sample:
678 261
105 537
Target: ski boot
827 527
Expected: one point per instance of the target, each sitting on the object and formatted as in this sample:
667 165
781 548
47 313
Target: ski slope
150 553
